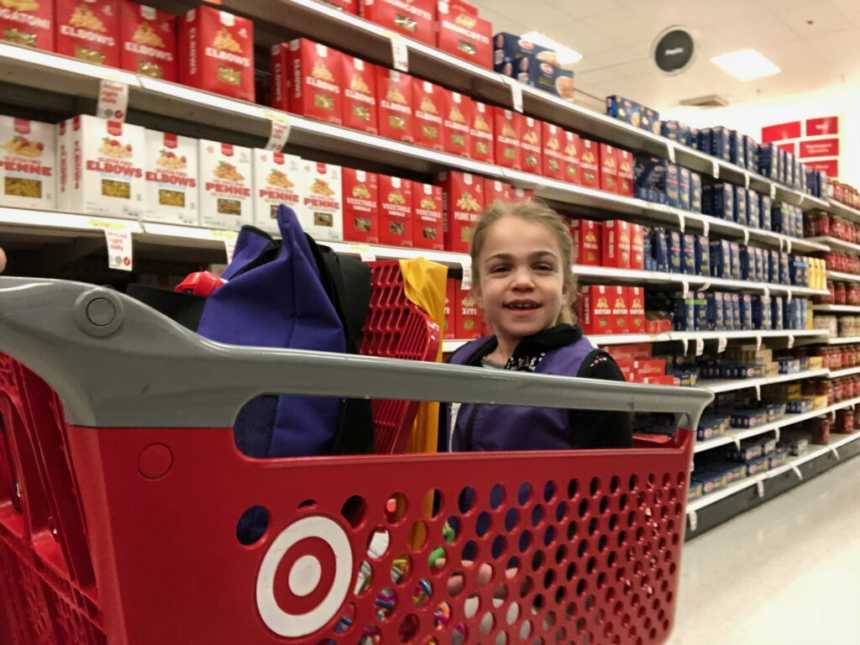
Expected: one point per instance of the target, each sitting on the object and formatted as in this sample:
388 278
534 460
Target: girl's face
521 287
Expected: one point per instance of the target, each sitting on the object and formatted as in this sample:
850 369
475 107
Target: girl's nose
523 278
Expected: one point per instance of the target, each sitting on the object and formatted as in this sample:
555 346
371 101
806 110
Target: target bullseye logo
304 577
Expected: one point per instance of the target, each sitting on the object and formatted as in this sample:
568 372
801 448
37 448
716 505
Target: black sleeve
600 429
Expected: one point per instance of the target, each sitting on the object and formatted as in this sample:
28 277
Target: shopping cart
118 521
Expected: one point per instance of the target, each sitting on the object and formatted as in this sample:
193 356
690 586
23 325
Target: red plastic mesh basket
395 328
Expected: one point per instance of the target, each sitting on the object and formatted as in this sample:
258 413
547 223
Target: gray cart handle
117 363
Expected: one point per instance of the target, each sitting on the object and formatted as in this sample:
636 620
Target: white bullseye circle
304 577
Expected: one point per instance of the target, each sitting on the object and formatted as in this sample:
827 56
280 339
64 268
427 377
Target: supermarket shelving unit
73 85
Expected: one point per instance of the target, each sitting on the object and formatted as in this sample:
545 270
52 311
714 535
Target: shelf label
693 519
791 341
466 266
119 244
685 343
365 252
399 52
746 236
797 472
685 288
280 130
835 452
758 343
715 168
758 392
516 92
229 239
788 245
113 100
722 343
682 221
789 294
700 346
706 228
670 150
759 486
746 180
772 190
802 199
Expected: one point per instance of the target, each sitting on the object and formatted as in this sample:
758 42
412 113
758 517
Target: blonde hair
539 213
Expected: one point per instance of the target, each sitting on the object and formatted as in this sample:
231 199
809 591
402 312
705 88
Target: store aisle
782 574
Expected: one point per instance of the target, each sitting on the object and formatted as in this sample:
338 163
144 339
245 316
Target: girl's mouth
522 305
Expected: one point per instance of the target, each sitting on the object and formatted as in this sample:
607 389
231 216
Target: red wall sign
830 166
819 148
826 125
781 131
788 147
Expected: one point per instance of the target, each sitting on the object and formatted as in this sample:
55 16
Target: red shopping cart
118 520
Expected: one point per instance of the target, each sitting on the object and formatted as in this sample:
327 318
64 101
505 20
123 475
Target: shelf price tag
758 392
685 343
722 343
789 294
706 228
835 452
746 236
516 92
682 221
229 240
797 472
772 190
700 346
791 341
365 253
758 343
670 150
746 180
802 199
693 519
113 100
759 486
466 266
280 131
715 168
685 288
119 243
399 52
788 245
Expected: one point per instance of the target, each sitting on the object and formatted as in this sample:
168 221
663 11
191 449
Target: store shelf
842 210
718 386
736 436
845 277
837 309
842 340
836 244
814 452
848 371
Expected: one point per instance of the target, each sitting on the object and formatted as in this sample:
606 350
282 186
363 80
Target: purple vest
517 427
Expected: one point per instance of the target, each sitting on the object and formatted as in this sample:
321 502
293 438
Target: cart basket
120 497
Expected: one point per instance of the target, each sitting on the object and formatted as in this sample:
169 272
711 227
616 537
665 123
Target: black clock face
674 51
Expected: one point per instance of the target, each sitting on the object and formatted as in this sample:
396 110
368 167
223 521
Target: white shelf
624 339
842 340
837 309
848 371
845 277
812 453
836 244
718 386
736 436
838 208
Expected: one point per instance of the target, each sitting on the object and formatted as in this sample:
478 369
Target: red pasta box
497 191
626 164
29 23
509 133
464 34
359 94
315 79
394 94
650 367
148 41
572 151
350 6
360 206
589 242
637 246
458 117
88 30
608 168
481 133
395 211
449 331
553 151
216 52
430 101
616 244
596 309
589 163
636 311
532 156
631 352
468 316
429 228
464 202
413 18
620 323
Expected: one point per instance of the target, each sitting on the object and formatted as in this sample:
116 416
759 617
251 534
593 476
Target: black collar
530 346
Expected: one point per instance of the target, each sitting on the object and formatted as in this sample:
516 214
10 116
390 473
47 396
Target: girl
524 284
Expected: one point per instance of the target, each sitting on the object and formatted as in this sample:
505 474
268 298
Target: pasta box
359 94
360 206
430 101
315 79
624 109
148 41
107 167
278 179
458 115
467 315
463 195
572 150
509 131
608 168
620 316
588 241
171 179
464 34
216 52
616 244
481 133
88 30
28 162
321 215
496 191
429 223
637 246
553 151
396 214
625 172
531 146
597 305
29 23
394 93
413 18
589 163
636 319
226 184
511 48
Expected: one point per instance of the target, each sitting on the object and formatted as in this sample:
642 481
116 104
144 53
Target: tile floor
786 573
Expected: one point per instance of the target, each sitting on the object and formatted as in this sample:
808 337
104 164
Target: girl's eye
544 267
499 268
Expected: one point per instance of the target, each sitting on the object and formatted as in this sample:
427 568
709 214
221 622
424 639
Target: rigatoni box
28 24
464 34
413 18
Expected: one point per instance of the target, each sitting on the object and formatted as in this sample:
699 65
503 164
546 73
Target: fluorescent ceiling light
746 64
565 55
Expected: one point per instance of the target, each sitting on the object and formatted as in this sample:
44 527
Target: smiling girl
524 284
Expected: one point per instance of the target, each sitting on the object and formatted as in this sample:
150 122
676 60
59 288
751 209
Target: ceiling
816 43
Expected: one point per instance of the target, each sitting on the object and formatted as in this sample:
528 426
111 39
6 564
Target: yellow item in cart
425 284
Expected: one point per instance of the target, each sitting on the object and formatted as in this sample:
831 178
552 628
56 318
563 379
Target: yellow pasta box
226 184
171 179
278 179
321 215
28 151
106 163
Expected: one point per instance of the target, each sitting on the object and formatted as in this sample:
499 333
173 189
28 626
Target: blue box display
700 310
747 263
510 47
740 204
675 251
688 254
773 266
673 185
736 148
671 130
764 208
768 161
735 273
719 201
762 314
750 156
703 140
721 258
684 186
684 318
695 192
783 167
753 203
661 249
720 143
746 312
703 255
650 120
776 315
784 275
716 321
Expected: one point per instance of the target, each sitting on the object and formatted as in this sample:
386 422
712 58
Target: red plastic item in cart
430 101
148 41
88 30
29 24
394 94
201 283
396 215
